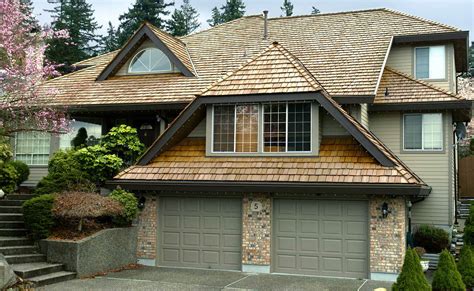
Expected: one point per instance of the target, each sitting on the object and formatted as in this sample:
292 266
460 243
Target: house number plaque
256 206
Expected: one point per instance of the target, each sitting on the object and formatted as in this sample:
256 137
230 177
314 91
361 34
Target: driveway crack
236 281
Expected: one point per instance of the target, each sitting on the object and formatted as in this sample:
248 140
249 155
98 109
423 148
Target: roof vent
265 24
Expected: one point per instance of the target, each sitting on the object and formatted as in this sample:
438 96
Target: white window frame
260 138
422 134
129 70
33 153
445 73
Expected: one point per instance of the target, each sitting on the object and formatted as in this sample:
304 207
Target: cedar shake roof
274 70
340 160
403 88
345 51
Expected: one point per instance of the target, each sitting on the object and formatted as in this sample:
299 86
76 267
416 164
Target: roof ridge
327 13
219 25
421 19
153 27
94 57
423 82
72 73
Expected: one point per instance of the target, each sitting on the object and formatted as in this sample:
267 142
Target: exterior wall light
385 210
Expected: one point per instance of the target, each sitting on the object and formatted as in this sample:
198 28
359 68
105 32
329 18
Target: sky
457 13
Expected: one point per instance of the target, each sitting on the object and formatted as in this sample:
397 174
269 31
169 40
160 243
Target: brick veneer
387 235
256 230
147 228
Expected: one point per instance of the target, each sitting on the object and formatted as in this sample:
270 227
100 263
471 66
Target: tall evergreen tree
287 8
110 40
143 10
27 10
77 17
315 10
184 20
231 10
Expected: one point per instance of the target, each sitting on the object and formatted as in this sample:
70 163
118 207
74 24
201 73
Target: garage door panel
200 232
320 237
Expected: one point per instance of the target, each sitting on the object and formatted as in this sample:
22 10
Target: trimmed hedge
22 170
411 278
8 178
447 276
466 266
431 238
37 213
130 204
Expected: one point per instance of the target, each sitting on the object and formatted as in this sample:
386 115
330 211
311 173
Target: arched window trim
137 55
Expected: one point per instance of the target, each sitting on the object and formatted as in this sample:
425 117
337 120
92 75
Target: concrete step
52 278
27 258
18 250
29 270
11 209
11 217
6 202
12 231
12 224
7 241
23 197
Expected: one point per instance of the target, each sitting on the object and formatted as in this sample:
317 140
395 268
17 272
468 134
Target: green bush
130 204
468 236
447 276
466 266
8 178
64 174
37 214
22 170
6 152
411 278
123 141
432 239
99 165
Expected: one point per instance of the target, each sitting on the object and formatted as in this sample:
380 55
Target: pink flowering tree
24 105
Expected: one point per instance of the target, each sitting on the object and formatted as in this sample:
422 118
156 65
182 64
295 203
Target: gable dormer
150 51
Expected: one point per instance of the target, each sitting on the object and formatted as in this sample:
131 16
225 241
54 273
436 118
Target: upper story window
423 132
430 62
32 148
279 127
150 60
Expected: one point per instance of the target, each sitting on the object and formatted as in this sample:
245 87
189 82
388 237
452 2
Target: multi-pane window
423 131
430 62
285 127
32 147
150 60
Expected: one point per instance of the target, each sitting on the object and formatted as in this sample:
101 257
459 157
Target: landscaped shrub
447 276
64 174
99 165
130 204
22 170
468 236
411 278
8 178
38 217
123 141
466 266
420 251
431 238
6 152
74 207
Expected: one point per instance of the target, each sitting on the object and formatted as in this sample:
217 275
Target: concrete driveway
154 278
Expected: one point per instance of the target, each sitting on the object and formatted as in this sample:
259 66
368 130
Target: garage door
321 237
200 233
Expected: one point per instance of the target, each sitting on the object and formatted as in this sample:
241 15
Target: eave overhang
460 40
409 190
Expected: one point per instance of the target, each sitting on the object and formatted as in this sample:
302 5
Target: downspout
456 176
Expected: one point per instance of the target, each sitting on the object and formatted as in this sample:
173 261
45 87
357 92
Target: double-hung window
277 127
423 132
32 148
430 62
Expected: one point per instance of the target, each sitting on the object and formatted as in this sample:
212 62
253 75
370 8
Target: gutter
412 190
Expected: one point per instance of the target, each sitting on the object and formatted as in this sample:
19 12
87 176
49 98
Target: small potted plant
425 264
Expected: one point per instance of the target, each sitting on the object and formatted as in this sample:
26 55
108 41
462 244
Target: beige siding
433 168
364 115
330 126
401 58
199 130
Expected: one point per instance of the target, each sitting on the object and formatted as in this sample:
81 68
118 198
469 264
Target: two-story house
307 144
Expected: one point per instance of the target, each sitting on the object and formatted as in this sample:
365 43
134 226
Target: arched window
150 60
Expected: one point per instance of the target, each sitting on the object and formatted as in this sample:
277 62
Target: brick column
256 234
147 228
387 237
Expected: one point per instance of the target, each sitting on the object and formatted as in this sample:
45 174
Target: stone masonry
387 235
256 230
147 228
